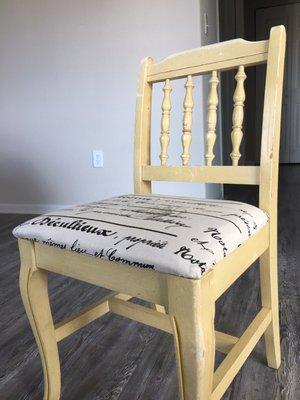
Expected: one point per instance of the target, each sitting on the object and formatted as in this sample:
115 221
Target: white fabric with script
180 236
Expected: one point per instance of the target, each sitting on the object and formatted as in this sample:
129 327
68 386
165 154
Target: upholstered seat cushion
176 235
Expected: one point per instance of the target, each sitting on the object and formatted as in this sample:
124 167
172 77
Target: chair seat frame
182 307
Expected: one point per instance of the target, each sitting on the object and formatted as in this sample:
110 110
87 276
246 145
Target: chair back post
269 159
142 138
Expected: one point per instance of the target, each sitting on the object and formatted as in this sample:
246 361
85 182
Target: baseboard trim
30 208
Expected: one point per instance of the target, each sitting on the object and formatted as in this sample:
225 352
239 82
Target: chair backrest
235 54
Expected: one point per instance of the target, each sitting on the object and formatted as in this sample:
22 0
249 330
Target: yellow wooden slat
268 193
219 56
86 316
142 140
81 319
204 69
118 303
212 118
247 175
239 353
225 342
239 97
141 314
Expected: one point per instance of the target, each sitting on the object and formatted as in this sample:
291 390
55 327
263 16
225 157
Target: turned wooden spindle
188 105
238 116
165 123
212 103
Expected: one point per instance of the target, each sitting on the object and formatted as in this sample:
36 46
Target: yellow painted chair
178 253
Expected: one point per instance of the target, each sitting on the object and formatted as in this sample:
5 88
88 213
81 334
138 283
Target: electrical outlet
97 158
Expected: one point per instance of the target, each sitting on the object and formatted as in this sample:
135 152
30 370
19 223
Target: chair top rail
219 56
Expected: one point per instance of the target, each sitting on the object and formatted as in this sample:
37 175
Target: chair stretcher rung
118 304
141 314
86 316
79 320
239 353
225 342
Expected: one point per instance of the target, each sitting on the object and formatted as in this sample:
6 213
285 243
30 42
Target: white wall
68 77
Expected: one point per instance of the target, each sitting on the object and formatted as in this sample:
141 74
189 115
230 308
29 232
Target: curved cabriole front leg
34 292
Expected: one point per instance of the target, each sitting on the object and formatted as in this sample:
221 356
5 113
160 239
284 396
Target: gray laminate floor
115 358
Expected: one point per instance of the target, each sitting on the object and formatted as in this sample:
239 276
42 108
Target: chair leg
34 292
269 296
192 306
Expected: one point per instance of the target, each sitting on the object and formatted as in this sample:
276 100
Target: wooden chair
190 303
